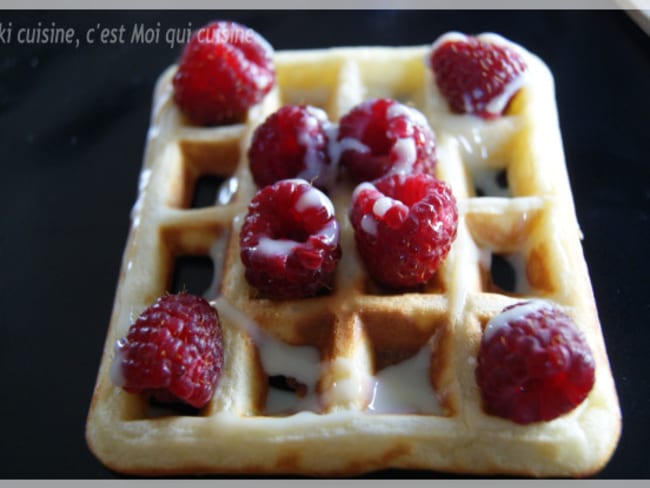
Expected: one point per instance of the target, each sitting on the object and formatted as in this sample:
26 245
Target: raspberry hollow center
290 240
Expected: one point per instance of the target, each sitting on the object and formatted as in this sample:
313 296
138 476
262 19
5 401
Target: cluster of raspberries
404 218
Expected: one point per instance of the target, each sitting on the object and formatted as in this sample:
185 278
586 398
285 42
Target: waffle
386 379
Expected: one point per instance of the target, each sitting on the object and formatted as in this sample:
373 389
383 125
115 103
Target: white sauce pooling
405 387
353 383
280 358
401 388
485 179
472 142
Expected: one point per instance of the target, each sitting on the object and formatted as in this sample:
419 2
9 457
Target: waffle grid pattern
358 330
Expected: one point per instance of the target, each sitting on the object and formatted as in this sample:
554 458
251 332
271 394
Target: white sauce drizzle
143 182
406 153
362 187
382 205
337 148
314 198
369 225
502 319
227 191
310 199
401 110
518 263
116 373
275 247
404 148
217 255
498 104
452 36
314 168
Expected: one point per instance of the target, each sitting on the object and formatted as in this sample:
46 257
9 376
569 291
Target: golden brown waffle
389 377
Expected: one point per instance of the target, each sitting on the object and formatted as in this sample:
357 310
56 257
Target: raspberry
224 69
173 352
477 75
533 364
292 142
404 227
290 240
381 136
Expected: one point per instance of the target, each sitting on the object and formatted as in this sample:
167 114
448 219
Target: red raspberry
381 136
173 351
477 75
533 364
404 226
223 70
290 240
292 142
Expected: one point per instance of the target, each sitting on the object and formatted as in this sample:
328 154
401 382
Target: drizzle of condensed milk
326 173
501 320
405 387
309 200
279 358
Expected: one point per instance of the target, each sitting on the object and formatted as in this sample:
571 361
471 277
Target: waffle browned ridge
360 378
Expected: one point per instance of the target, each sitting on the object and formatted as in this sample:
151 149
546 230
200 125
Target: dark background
73 123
